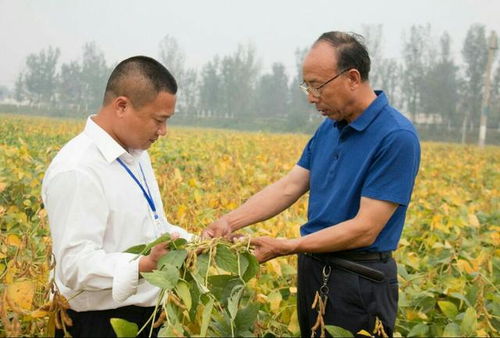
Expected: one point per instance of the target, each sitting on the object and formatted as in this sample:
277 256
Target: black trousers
353 303
97 324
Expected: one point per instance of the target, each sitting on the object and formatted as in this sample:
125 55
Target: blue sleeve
305 159
392 174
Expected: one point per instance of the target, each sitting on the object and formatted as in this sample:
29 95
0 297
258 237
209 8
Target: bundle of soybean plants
203 289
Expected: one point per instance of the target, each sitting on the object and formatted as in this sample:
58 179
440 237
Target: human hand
267 248
149 263
219 228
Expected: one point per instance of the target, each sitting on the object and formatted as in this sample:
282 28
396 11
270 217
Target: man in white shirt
102 197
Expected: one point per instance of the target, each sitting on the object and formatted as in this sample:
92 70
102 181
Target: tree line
440 94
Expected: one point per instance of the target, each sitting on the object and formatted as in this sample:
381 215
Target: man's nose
162 131
311 98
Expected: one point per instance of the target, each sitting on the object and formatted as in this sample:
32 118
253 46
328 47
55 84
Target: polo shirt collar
371 112
109 148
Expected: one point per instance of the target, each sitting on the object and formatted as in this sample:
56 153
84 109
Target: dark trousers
353 303
97 324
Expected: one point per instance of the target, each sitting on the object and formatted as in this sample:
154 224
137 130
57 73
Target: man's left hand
267 248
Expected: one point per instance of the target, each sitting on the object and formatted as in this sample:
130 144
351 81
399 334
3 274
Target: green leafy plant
203 289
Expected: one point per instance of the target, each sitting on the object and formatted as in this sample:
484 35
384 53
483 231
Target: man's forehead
321 57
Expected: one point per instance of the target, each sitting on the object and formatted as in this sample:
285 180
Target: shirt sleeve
391 175
78 212
306 157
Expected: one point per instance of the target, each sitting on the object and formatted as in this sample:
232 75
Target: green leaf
124 328
243 264
171 330
222 285
234 300
182 290
207 315
195 297
226 259
163 238
202 264
469 323
137 249
173 258
179 243
337 331
245 319
199 281
221 327
253 266
143 249
172 312
451 330
419 330
448 308
165 279
461 297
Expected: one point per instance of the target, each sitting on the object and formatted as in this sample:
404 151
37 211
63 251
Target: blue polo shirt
376 156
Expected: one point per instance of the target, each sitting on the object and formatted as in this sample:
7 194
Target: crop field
448 258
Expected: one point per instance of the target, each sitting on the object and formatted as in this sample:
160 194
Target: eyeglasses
314 91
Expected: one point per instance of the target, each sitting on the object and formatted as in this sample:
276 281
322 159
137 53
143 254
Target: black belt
350 266
362 256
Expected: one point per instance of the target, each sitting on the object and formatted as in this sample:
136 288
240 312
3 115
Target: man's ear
354 78
120 105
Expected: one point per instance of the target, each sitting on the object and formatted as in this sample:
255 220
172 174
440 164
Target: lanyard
147 195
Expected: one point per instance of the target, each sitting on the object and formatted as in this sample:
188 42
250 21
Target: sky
203 29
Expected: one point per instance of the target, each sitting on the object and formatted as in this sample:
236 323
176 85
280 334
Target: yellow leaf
464 265
473 221
11 272
39 314
274 300
13 240
479 260
181 211
414 314
293 326
274 266
495 238
177 175
192 182
261 298
364 333
20 294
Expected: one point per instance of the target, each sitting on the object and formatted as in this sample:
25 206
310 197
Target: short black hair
139 78
351 51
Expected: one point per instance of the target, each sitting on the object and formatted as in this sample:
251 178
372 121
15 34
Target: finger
218 232
257 241
236 237
207 234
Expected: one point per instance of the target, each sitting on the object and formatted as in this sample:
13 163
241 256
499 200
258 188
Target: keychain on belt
319 302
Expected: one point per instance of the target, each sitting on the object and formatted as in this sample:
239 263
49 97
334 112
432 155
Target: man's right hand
219 228
149 263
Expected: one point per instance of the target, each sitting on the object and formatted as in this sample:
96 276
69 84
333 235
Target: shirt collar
371 112
109 148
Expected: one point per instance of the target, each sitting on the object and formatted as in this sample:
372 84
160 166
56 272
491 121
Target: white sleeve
78 212
170 228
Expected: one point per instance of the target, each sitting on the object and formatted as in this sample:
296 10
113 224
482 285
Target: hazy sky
122 28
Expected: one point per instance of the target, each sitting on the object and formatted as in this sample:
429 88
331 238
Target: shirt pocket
127 228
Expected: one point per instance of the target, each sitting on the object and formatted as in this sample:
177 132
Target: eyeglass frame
307 89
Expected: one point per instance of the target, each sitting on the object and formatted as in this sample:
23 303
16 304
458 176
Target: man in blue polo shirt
359 168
